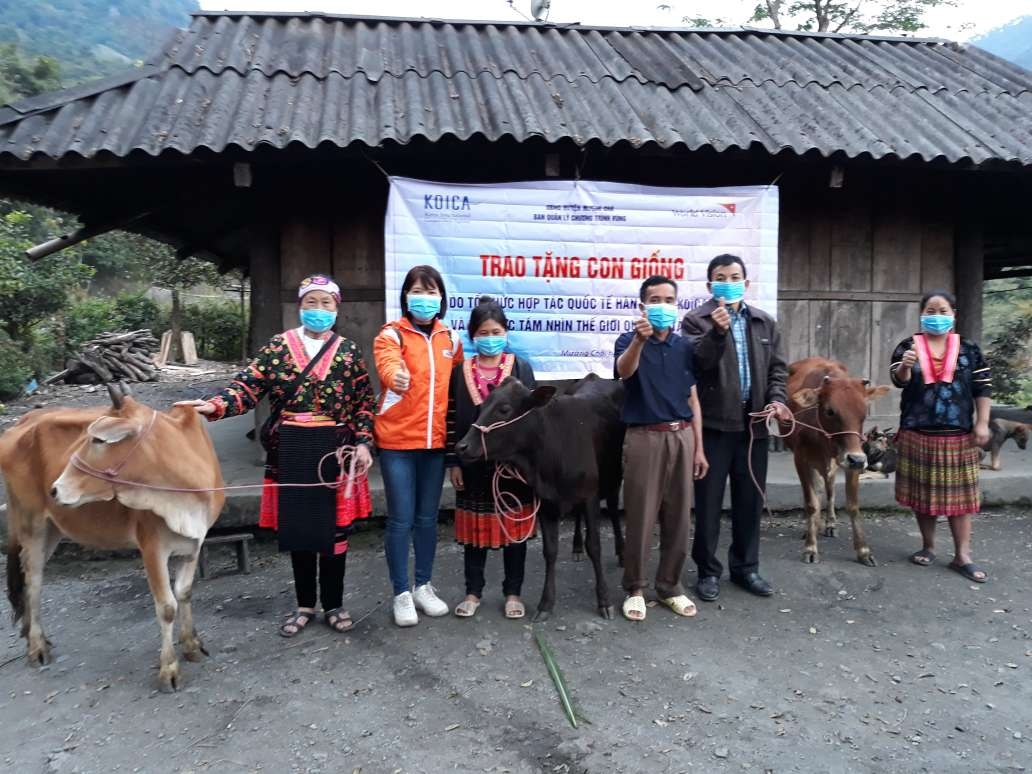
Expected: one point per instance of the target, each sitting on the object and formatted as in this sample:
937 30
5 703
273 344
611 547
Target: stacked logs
112 357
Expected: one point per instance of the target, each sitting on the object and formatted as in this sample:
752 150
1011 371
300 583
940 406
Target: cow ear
541 395
877 392
806 397
111 429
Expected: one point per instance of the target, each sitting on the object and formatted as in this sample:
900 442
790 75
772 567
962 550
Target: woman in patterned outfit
478 526
945 418
330 407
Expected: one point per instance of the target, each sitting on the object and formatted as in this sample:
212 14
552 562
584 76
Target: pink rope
506 504
769 416
346 458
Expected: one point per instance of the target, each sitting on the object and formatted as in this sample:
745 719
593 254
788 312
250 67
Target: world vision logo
447 206
718 211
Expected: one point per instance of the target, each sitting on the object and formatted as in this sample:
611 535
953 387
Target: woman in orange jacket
414 358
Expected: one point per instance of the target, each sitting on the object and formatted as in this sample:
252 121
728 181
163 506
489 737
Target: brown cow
824 396
50 497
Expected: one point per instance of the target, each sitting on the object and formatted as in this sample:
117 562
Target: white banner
567 258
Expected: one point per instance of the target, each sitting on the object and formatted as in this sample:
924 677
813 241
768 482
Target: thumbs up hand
402 379
643 328
721 319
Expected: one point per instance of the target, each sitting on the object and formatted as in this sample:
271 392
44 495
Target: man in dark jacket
740 367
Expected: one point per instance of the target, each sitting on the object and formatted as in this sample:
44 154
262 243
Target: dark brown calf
830 406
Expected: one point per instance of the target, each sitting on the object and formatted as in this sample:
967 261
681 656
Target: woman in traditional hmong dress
478 525
320 399
945 418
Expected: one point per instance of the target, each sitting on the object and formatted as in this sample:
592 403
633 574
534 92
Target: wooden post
266 314
969 274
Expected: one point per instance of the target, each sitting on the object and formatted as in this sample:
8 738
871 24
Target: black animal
880 451
556 442
610 464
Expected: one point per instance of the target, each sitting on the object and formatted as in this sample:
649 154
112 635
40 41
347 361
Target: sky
967 19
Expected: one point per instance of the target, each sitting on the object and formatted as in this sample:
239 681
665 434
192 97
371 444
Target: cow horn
866 382
125 389
116 395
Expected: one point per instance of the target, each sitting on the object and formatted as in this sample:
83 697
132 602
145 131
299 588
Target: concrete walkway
241 464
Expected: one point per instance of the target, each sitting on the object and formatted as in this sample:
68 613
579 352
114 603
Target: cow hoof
830 531
578 556
606 611
811 557
193 649
40 655
868 560
542 615
168 679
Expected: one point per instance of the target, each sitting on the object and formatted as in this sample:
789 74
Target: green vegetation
1007 334
92 38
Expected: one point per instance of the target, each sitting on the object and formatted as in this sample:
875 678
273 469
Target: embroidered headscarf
319 282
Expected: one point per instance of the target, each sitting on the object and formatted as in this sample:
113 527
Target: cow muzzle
856 461
67 493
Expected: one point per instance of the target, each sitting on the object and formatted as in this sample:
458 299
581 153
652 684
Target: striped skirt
937 475
477 522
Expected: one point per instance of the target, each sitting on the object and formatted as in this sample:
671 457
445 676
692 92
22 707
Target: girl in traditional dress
478 525
415 356
320 399
945 418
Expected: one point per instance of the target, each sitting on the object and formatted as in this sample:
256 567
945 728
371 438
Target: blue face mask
318 320
936 323
488 346
730 292
423 308
661 316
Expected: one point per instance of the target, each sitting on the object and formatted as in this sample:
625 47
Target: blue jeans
412 481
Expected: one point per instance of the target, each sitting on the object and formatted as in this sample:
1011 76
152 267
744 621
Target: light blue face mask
730 292
661 316
937 323
488 346
318 320
423 308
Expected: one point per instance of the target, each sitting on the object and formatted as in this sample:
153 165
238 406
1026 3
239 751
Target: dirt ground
846 668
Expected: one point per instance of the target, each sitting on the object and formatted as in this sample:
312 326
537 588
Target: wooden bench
241 540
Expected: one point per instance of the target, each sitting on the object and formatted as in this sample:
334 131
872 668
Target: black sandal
923 558
969 571
339 620
299 620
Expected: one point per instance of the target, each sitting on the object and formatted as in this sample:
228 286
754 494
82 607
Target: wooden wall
853 265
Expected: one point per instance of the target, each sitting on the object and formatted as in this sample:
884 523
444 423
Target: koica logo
722 210
447 205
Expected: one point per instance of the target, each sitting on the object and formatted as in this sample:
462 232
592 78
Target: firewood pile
113 357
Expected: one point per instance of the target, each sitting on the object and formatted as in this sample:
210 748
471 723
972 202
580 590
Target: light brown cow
824 396
43 459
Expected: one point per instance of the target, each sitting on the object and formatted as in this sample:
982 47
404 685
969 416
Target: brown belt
666 427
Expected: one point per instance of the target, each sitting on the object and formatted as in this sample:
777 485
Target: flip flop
515 609
466 608
634 608
680 605
299 620
923 558
968 571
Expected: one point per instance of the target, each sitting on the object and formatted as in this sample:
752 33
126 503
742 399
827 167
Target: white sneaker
405 610
428 601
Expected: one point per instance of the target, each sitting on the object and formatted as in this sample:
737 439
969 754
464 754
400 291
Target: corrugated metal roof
247 81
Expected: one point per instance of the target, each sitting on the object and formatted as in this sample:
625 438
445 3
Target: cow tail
15 576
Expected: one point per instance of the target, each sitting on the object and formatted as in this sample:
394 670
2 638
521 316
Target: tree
25 77
854 16
32 291
1009 355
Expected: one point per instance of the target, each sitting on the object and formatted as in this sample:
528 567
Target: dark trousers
728 455
331 578
514 558
658 469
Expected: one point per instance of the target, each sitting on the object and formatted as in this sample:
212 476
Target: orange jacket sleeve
387 355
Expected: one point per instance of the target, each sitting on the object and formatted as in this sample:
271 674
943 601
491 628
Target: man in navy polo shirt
663 448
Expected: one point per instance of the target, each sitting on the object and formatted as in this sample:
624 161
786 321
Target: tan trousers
658 485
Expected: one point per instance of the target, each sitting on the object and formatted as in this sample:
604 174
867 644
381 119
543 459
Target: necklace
481 378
